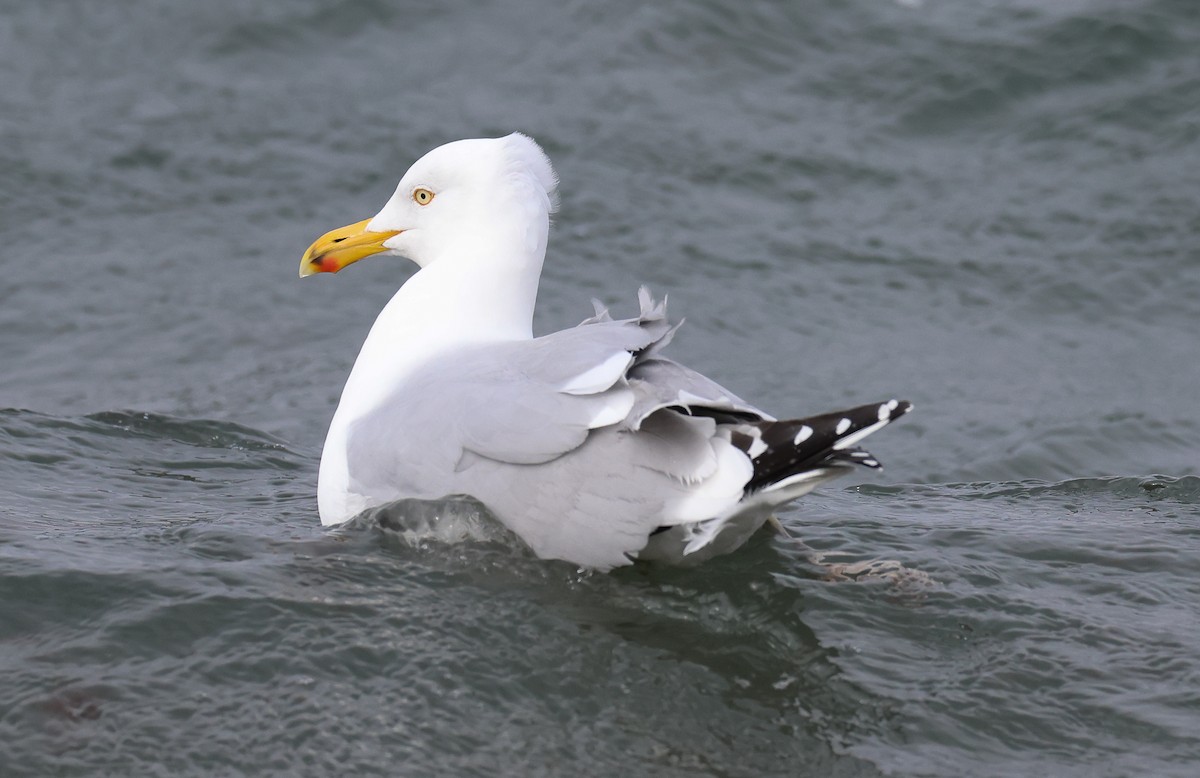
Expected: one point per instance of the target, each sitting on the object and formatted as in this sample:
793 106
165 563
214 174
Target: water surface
990 209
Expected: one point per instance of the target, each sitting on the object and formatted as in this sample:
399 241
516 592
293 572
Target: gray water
989 208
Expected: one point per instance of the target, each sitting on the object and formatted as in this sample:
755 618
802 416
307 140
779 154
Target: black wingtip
796 445
855 456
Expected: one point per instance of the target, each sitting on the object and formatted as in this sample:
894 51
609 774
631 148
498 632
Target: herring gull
588 443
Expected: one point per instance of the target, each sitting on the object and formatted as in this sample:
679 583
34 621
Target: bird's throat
442 307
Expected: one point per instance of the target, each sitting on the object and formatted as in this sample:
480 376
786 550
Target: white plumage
587 443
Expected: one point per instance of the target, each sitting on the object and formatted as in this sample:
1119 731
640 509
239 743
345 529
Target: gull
587 443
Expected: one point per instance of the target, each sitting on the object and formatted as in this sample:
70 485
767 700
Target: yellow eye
422 196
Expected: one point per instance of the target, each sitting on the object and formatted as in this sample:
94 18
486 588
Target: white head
469 198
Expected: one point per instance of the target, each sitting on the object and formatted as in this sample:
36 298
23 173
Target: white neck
443 306
476 285
447 304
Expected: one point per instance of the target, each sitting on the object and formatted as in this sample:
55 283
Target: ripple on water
220 633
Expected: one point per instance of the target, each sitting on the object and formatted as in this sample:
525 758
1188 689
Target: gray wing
531 401
660 383
525 402
583 441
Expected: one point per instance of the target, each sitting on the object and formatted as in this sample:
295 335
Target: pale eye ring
422 196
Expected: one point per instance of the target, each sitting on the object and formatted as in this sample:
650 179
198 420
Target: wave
121 466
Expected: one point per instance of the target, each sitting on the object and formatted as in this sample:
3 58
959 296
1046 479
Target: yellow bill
337 248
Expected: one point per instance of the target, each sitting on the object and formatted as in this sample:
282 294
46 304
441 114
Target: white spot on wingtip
842 426
893 404
885 412
854 437
803 434
757 446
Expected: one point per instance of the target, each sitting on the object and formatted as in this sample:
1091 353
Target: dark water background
991 208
